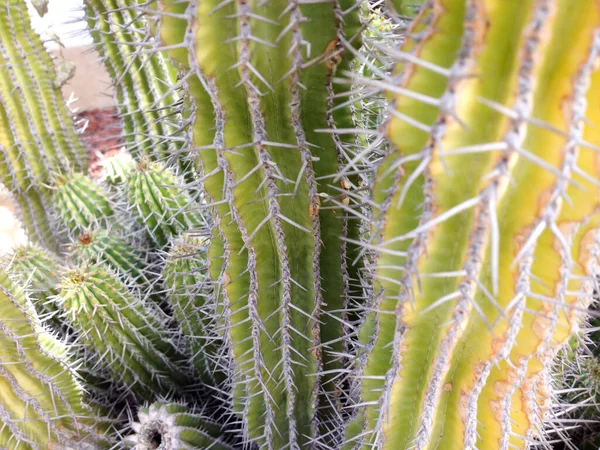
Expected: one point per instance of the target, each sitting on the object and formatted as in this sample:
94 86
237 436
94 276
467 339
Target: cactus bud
160 207
173 426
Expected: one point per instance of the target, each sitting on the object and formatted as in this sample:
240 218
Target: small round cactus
159 205
80 202
173 426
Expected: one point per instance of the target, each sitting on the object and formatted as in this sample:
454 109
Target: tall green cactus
262 102
484 226
37 135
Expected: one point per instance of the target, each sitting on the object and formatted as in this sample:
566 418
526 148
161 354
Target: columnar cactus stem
474 248
123 333
256 130
37 136
188 289
143 79
41 400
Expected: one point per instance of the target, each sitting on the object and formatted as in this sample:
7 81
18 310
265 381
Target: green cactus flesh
257 131
189 292
158 204
472 238
174 426
37 135
122 333
41 400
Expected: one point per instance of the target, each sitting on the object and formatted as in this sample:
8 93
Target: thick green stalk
262 153
143 79
41 403
37 136
123 333
174 426
481 270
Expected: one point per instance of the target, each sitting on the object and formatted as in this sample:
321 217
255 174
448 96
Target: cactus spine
122 333
37 136
41 399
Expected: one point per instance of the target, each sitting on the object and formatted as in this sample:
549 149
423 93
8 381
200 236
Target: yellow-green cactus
483 225
41 403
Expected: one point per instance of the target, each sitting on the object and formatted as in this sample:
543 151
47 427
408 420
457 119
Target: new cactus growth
123 333
174 426
105 247
158 204
190 294
41 404
80 203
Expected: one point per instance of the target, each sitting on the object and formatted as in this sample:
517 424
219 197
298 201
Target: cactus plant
41 398
122 333
381 244
157 203
80 203
173 426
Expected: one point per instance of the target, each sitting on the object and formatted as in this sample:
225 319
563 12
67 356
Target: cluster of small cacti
334 226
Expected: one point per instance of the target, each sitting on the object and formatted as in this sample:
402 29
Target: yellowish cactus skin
484 229
41 405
